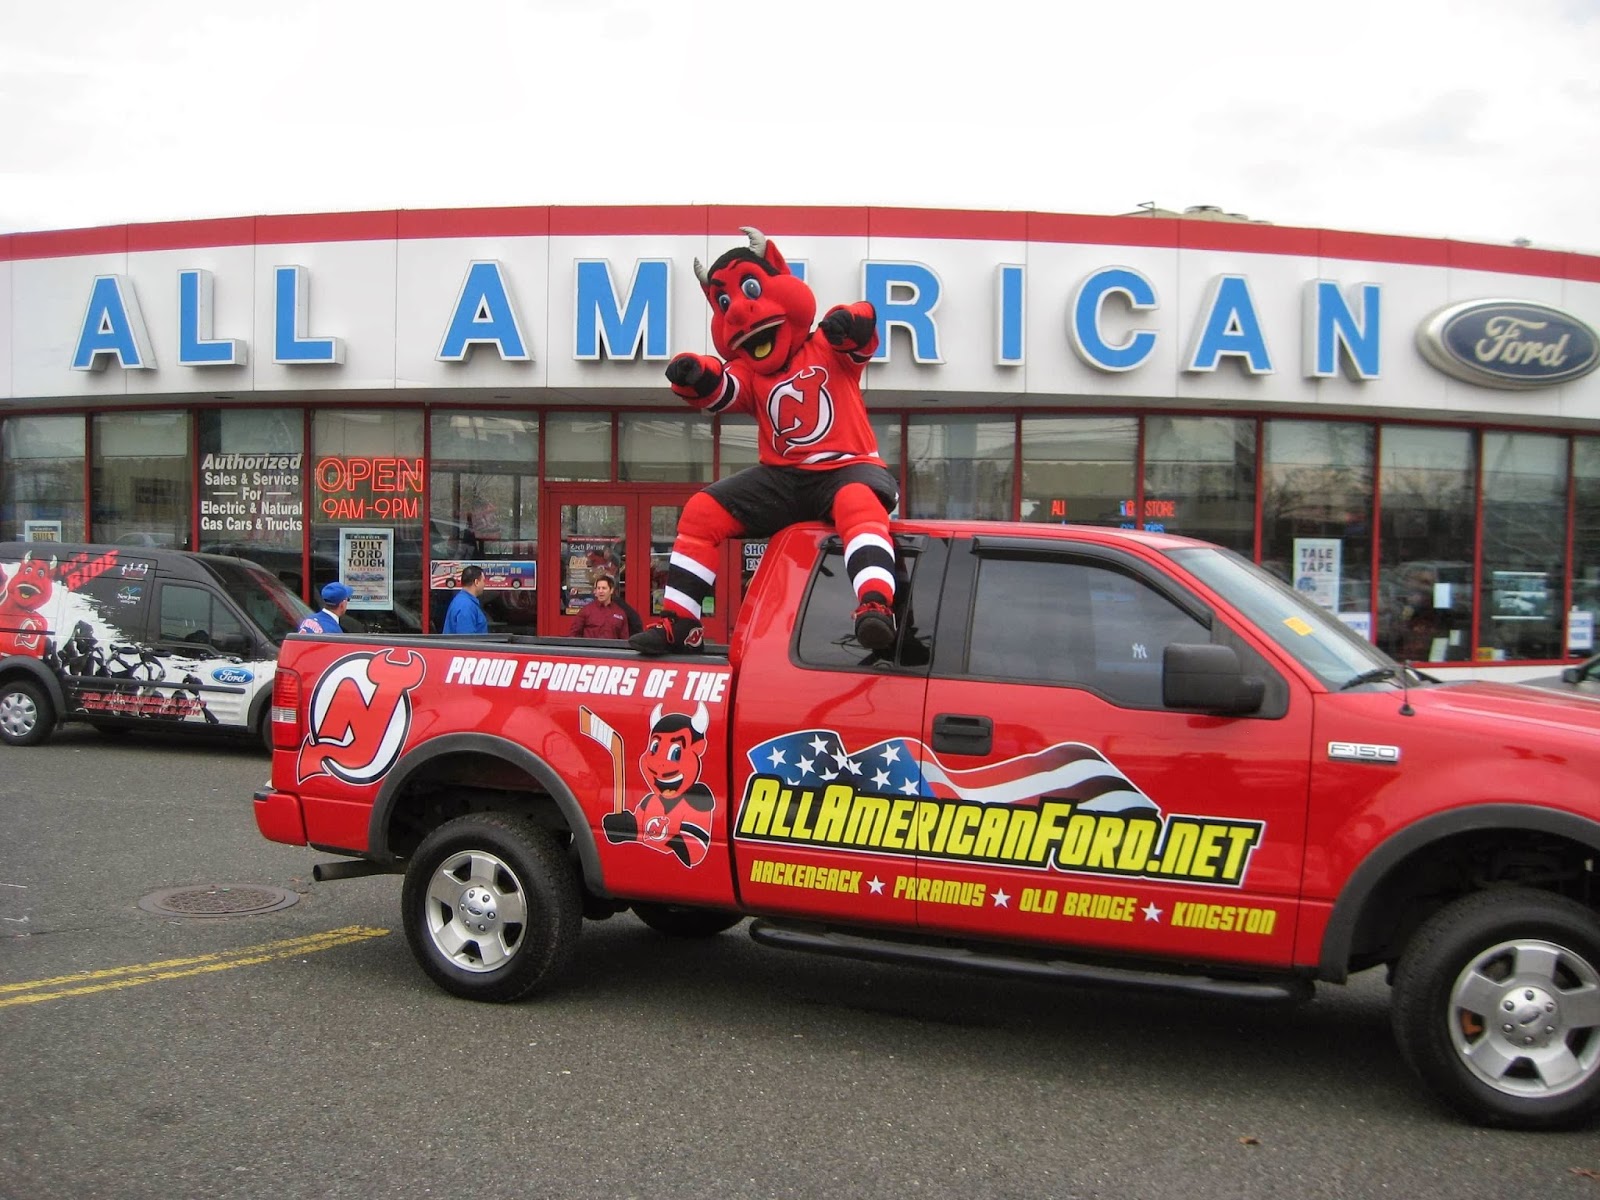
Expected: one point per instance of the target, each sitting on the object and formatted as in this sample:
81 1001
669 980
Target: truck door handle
957 733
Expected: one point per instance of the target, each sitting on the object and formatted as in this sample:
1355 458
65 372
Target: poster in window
41 531
1316 570
1580 631
366 566
1520 596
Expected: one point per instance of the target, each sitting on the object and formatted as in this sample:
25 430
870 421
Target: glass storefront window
366 527
1079 470
1316 527
960 467
1425 543
41 478
663 449
252 488
484 509
1524 546
1585 547
577 447
140 483
1200 479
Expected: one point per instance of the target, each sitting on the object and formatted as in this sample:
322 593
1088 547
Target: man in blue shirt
335 599
465 614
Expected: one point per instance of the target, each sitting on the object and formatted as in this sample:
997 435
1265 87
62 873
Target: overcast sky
1472 119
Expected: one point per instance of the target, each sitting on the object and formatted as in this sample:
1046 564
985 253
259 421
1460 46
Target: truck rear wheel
491 907
1497 1007
676 921
26 715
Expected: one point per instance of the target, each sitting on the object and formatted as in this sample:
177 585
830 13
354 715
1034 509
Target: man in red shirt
601 617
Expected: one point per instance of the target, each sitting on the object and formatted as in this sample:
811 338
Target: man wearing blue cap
335 599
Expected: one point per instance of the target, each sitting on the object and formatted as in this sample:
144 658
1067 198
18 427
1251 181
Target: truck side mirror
1209 678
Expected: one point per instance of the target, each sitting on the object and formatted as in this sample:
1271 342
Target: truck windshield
262 596
1308 633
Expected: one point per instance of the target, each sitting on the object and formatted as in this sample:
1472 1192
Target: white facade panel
349 294
1055 371
7 384
390 301
51 298
233 300
431 276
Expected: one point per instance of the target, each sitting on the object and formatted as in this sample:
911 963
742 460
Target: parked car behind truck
1096 755
124 638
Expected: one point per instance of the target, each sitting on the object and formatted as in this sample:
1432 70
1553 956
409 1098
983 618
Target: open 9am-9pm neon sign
369 488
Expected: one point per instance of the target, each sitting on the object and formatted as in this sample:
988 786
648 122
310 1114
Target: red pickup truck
1100 756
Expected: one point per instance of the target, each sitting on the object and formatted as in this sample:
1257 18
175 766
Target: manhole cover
217 900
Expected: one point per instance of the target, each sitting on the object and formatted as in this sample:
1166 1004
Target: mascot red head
761 311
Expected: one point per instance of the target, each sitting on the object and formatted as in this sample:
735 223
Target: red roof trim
721 221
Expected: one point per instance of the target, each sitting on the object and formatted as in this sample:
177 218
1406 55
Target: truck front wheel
491 907
1497 1007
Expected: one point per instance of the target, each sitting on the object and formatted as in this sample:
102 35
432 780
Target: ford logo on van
232 675
1509 344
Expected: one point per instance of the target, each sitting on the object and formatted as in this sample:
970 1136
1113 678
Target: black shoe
670 635
875 621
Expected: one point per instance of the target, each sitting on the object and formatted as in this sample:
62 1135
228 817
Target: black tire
26 715
675 921
263 731
491 907
1497 1007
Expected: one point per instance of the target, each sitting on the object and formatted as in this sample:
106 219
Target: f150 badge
1366 752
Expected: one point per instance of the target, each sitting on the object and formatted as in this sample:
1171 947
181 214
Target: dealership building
1408 429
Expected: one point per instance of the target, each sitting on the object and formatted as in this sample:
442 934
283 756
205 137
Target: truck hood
1509 703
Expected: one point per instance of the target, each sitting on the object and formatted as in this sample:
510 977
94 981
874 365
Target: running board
1286 990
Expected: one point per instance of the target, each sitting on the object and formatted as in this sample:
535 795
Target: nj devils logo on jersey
801 410
360 714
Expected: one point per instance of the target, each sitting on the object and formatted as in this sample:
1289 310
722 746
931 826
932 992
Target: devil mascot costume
818 456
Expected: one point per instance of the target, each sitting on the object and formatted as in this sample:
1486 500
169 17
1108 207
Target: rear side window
1075 622
195 616
826 637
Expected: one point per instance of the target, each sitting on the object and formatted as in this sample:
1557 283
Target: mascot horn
818 457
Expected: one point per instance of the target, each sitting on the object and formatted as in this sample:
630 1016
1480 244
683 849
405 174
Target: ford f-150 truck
1102 756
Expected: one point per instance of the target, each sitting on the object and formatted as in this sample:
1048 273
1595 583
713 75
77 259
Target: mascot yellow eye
751 287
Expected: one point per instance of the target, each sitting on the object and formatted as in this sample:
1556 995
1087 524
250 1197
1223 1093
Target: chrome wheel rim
477 911
1525 1018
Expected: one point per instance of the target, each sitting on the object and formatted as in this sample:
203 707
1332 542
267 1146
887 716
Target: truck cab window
1078 623
825 638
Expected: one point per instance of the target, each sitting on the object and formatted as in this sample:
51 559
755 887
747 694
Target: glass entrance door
618 530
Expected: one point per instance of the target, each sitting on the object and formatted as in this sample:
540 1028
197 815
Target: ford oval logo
232 675
1509 344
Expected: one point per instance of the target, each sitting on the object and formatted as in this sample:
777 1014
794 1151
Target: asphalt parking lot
298 1051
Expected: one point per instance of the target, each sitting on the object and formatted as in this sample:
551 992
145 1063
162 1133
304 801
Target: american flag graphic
905 767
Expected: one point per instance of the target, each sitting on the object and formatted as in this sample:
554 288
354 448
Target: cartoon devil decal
818 455
22 629
675 816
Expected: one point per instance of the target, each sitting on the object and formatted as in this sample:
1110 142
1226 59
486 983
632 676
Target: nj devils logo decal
360 714
801 410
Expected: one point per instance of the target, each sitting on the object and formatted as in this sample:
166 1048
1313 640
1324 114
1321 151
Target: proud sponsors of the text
1052 835
588 678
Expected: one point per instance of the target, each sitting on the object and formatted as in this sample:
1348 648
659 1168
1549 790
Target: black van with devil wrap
122 637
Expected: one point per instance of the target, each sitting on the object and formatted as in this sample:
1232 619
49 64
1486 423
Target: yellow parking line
111 978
